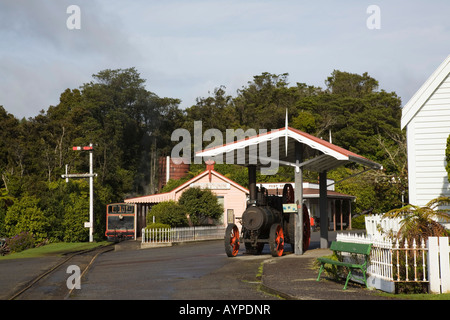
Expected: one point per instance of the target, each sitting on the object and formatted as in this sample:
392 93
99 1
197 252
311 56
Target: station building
230 194
234 198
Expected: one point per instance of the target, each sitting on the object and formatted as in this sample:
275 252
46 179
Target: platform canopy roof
318 155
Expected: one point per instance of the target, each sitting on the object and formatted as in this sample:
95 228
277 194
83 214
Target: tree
131 127
263 103
5 202
125 120
351 85
201 205
25 215
9 135
213 111
305 121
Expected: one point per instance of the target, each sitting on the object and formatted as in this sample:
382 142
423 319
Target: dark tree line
131 127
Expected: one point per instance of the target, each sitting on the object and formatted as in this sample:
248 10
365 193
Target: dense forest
131 127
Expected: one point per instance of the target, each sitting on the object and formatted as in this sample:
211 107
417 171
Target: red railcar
120 222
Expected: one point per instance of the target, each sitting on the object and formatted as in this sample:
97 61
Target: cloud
43 57
186 48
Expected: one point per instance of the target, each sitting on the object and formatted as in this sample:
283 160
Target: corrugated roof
320 155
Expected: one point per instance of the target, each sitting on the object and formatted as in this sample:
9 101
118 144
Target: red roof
326 156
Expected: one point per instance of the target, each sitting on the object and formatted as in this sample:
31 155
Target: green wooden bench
355 248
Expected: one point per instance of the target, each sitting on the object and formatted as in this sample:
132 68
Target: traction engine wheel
276 240
231 240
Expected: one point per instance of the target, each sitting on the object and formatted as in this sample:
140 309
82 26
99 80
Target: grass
417 296
54 249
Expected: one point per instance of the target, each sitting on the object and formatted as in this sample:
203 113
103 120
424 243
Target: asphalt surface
194 271
199 271
294 277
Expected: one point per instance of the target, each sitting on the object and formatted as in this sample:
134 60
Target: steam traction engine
267 219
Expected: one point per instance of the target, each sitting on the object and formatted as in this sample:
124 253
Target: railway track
51 284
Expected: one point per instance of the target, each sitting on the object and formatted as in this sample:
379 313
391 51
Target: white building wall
427 135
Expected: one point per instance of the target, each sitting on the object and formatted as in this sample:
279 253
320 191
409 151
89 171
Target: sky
186 49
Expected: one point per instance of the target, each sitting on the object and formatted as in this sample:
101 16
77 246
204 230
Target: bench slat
359 248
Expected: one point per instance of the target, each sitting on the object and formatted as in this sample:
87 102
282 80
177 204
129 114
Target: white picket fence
392 262
377 226
439 265
167 236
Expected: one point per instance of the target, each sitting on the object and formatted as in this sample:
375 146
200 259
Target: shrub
359 222
74 217
157 226
201 205
157 235
168 212
330 270
421 222
26 216
20 242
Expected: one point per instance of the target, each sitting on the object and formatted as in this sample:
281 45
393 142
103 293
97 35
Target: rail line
36 280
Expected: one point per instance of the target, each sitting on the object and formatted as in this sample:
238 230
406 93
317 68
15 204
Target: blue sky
185 49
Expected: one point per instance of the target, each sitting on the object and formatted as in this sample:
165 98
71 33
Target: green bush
158 234
330 270
168 212
201 205
26 216
75 215
20 242
359 222
157 226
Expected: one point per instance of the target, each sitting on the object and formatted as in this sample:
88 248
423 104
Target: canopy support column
323 209
252 183
298 193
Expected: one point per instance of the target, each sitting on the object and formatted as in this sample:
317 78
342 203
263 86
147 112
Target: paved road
191 271
198 271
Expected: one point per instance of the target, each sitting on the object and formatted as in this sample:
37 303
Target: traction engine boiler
265 221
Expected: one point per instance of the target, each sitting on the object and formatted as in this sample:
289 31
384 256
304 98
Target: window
221 201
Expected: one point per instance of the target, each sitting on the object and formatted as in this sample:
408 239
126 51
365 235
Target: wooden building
426 118
230 194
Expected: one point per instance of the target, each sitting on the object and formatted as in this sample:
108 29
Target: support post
349 215
252 183
91 176
91 194
298 193
323 210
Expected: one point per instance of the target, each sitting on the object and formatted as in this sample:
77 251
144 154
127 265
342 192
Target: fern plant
422 222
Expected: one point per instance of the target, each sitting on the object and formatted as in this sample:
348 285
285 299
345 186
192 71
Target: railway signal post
91 176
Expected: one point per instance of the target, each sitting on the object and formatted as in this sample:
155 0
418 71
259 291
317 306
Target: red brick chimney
209 167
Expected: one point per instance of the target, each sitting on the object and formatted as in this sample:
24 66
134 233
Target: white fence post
438 264
445 266
433 265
